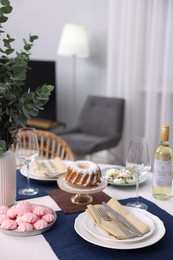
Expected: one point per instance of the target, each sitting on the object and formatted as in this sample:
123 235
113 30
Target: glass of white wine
138 162
27 150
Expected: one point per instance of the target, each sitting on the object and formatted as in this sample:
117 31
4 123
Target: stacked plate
87 229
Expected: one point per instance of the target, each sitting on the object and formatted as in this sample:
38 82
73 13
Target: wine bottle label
162 173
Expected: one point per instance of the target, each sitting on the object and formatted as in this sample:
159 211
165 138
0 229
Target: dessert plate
158 233
99 233
104 170
35 176
34 232
66 186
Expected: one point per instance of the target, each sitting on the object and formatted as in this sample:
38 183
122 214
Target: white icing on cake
84 168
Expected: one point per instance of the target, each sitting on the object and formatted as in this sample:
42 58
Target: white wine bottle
162 169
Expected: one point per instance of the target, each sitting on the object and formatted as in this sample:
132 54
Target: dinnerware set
87 229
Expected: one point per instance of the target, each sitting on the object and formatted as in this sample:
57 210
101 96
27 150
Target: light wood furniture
52 145
44 124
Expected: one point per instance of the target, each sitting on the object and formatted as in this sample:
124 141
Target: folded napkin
110 227
39 170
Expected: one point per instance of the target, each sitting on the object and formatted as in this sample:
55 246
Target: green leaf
5 2
3 19
3 88
25 112
19 121
27 47
7 9
34 111
3 148
9 51
33 38
16 104
10 39
1 50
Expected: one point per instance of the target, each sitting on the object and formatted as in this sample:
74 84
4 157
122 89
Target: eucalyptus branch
16 103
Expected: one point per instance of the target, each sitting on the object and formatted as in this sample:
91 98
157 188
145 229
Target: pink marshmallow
12 212
40 224
48 217
3 210
39 210
3 218
23 207
9 224
29 218
25 227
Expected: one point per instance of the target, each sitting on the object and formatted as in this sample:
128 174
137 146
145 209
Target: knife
122 219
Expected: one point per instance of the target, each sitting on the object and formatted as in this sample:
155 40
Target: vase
7 178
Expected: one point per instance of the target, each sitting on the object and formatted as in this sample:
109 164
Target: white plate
35 176
95 231
159 231
66 186
142 179
30 233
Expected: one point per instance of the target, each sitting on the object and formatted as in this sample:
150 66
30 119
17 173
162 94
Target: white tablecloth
37 248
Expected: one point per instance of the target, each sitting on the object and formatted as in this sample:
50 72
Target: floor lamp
73 43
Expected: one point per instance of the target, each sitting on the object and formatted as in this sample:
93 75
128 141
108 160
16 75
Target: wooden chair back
52 145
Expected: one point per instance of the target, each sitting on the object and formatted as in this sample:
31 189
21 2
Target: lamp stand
73 43
74 87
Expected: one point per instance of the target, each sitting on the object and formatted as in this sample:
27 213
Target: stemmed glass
138 162
27 150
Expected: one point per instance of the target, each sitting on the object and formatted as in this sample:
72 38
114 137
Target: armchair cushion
101 116
83 144
100 126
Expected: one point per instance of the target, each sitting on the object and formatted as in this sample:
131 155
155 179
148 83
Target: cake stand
81 193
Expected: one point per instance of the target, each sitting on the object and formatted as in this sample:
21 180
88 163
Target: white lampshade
73 41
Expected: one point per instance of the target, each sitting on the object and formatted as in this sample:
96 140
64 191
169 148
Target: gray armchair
100 126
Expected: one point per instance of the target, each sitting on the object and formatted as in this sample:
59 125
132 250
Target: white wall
46 19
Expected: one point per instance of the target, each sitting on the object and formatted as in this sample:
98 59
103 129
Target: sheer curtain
140 67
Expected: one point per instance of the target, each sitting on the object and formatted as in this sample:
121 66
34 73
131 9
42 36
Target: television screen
43 72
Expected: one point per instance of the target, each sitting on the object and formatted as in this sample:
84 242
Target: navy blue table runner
43 186
68 245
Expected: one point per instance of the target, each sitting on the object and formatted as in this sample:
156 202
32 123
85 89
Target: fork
106 217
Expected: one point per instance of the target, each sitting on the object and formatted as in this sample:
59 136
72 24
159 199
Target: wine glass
27 150
138 163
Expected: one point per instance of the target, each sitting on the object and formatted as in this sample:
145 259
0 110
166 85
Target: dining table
62 241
